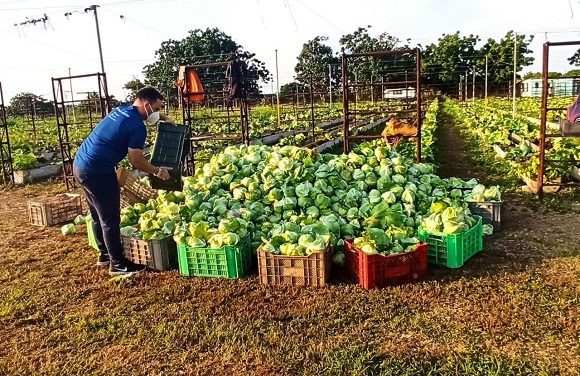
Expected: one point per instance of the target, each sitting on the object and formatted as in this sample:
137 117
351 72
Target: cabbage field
511 309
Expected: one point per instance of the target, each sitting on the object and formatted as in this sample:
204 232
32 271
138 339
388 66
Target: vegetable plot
519 138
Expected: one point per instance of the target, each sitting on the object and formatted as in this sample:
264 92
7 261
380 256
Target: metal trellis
400 92
544 136
63 123
5 152
212 120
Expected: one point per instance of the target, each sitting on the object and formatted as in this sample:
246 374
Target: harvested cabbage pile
293 201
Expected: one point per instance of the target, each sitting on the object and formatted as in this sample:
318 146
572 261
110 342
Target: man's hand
166 118
163 173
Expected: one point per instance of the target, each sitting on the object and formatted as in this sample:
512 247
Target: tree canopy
200 47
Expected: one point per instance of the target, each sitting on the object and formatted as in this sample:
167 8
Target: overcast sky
32 54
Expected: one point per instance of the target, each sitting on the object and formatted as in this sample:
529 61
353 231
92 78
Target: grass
513 309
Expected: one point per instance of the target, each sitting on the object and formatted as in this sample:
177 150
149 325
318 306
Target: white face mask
153 117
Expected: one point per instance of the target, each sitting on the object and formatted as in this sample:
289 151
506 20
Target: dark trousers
104 198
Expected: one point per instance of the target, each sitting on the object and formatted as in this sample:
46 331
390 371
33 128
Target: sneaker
103 260
125 267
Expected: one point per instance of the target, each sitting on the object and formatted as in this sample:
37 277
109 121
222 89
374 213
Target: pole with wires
485 78
514 84
277 89
473 87
330 83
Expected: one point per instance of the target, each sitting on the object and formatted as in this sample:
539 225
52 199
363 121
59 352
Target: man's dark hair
149 93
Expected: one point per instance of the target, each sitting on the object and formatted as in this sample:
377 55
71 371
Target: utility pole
372 90
486 79
355 87
93 8
473 86
465 82
460 93
277 89
72 98
514 84
330 83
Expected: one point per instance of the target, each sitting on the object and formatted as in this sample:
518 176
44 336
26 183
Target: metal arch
63 123
347 134
5 152
189 109
544 119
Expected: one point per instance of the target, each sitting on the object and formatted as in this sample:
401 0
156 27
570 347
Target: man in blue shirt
121 133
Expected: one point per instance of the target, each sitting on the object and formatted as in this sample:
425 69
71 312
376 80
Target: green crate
454 249
91 234
226 262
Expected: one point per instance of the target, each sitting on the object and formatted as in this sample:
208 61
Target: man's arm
138 161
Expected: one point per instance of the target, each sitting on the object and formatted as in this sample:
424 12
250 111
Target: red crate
380 271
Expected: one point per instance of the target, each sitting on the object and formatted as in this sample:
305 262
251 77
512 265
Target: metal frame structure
220 108
308 102
350 87
5 152
63 122
543 121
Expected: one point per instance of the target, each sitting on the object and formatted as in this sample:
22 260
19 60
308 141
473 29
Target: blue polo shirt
107 144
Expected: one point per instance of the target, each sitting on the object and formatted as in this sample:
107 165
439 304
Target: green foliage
198 47
313 62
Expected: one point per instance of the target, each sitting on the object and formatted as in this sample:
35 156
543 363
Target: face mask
153 117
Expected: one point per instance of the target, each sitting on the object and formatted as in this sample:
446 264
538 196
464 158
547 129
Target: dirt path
451 153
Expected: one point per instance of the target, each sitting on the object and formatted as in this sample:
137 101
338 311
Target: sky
131 31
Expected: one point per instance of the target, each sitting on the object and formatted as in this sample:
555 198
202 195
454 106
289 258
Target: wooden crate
50 211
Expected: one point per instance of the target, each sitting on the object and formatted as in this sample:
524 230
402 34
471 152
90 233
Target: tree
133 86
369 68
27 104
539 75
575 59
313 62
200 47
573 73
452 56
291 88
93 104
501 57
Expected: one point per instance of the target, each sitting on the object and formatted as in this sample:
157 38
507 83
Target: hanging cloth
188 80
235 72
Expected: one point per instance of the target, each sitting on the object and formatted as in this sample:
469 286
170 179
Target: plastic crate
91 234
489 211
158 254
226 262
312 270
168 151
133 191
569 129
54 210
452 250
376 271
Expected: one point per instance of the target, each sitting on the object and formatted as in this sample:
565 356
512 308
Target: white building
399 93
532 87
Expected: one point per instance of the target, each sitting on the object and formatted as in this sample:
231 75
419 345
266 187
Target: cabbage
492 194
79 219
68 229
322 201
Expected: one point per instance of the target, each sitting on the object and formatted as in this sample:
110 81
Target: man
120 133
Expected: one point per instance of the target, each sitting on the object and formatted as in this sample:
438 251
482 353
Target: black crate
170 151
158 254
